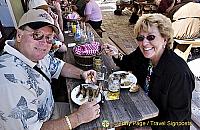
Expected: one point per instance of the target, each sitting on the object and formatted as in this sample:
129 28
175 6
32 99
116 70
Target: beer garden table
130 108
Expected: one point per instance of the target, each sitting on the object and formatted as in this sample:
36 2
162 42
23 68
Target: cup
73 28
97 63
113 88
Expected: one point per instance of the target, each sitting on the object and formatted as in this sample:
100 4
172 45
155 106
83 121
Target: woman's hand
110 50
88 112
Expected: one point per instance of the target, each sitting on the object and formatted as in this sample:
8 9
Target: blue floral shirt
26 99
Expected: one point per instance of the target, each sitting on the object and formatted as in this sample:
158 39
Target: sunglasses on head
38 35
140 38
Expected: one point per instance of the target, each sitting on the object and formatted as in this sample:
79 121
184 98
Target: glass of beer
113 88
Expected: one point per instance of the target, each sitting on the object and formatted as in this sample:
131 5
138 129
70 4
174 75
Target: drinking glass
113 88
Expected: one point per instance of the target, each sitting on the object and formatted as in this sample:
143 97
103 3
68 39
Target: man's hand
90 76
88 112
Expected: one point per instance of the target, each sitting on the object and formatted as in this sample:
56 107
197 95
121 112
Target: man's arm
71 71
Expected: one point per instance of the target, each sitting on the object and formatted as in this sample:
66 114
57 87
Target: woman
163 75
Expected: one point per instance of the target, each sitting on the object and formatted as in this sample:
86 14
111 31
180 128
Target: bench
184 47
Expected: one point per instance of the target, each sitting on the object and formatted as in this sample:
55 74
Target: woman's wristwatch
120 56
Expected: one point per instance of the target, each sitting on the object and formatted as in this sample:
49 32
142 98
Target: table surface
129 108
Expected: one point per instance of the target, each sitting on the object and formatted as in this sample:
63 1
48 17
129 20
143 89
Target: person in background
42 4
56 8
79 7
164 6
26 70
93 14
164 76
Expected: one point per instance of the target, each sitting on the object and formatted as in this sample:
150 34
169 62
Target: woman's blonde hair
162 22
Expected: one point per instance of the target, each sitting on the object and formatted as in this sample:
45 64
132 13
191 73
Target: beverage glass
113 88
73 28
97 63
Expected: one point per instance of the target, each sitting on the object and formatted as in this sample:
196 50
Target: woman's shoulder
175 63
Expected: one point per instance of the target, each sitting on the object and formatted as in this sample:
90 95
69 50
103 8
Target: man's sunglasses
38 35
140 38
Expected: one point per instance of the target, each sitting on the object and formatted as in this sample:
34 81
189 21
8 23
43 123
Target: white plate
130 77
80 100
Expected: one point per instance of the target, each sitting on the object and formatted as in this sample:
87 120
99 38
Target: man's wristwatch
81 74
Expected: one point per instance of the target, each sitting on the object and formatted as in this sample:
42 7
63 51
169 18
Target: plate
80 100
129 78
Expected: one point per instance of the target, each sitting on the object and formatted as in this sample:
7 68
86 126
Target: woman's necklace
147 81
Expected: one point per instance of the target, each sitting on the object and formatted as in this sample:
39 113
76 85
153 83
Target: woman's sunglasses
38 35
140 38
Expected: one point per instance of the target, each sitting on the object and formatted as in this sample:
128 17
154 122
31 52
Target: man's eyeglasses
140 38
38 35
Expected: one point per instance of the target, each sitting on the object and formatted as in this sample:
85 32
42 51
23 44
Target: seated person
56 8
165 5
25 74
79 7
164 76
73 15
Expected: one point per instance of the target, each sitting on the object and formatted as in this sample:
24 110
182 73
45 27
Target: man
26 70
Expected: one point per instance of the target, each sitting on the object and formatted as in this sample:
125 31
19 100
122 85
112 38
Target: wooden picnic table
130 108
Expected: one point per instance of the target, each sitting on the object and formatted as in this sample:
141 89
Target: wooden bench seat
184 47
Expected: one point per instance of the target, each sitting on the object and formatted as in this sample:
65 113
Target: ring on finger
98 111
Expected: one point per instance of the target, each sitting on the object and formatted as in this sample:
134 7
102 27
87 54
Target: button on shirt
26 96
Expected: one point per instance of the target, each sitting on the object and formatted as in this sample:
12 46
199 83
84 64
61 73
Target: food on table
90 94
134 88
86 91
121 75
96 94
125 83
90 78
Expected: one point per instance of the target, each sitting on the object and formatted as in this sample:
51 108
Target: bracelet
68 122
81 74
